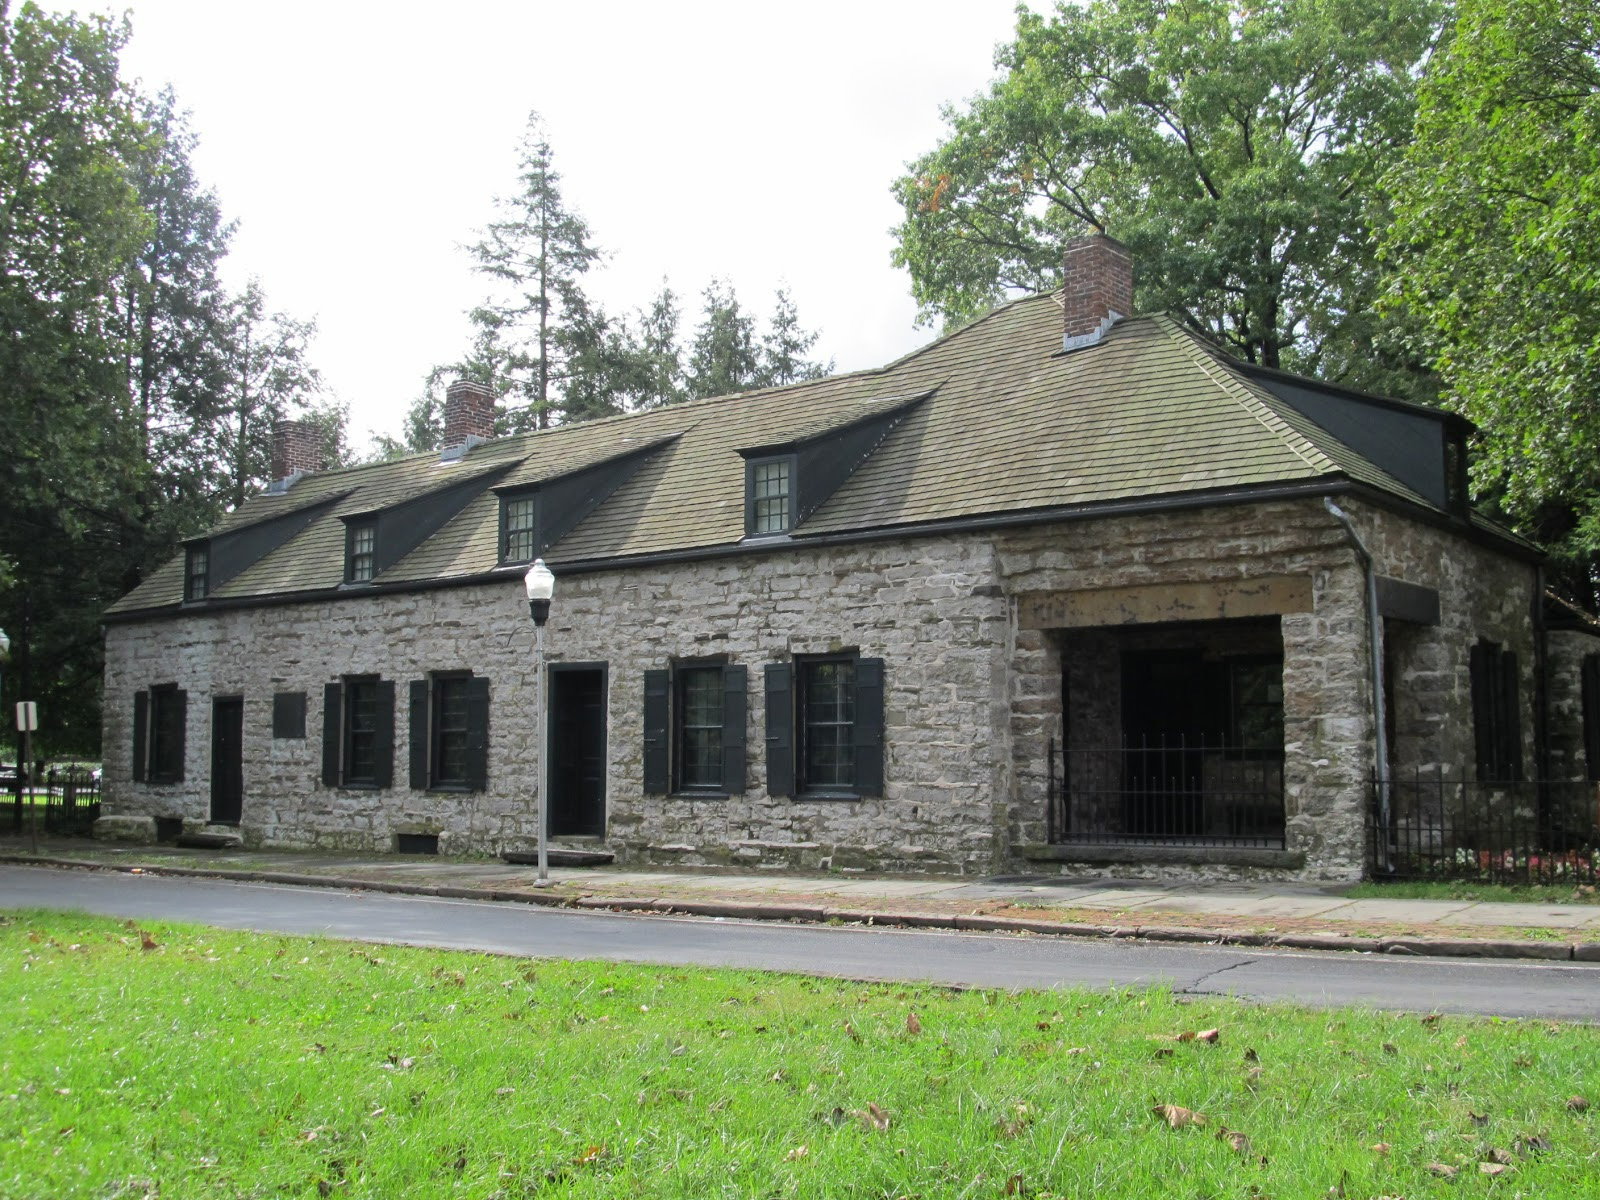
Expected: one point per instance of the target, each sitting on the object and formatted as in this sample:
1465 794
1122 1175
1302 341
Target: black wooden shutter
141 734
332 728
735 703
780 729
385 733
477 734
657 685
869 726
1511 719
180 701
419 735
1591 715
1483 704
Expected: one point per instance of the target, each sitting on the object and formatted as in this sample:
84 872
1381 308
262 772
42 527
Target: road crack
1210 975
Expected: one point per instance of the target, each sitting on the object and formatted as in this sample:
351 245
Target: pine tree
725 356
536 252
784 347
658 347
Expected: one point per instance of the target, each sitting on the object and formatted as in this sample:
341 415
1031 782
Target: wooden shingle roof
1005 423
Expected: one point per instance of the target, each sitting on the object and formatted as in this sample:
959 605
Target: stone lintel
1263 596
1407 601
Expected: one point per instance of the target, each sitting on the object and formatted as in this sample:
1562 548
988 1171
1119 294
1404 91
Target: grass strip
175 1061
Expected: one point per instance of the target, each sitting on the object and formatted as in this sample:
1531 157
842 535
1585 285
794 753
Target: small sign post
27 726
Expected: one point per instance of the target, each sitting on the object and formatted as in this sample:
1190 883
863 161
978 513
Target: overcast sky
360 145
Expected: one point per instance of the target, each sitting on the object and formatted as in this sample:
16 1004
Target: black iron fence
1450 827
1166 792
63 801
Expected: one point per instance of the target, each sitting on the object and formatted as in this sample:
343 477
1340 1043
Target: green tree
536 252
785 345
1496 248
269 376
70 224
662 362
725 355
1237 148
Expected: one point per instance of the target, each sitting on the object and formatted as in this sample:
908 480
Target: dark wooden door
227 761
577 752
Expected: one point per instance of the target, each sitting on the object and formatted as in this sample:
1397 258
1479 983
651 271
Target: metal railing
1452 827
1162 791
64 801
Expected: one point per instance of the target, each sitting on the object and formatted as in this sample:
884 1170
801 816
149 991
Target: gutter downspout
1379 709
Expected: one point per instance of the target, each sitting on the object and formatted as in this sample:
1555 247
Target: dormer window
519 527
361 545
770 495
1455 472
197 573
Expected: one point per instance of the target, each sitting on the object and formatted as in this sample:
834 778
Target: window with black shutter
197 572
694 729
1496 713
168 709
825 727
1590 674
358 733
450 733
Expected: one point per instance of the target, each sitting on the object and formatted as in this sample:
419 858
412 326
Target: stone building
1066 590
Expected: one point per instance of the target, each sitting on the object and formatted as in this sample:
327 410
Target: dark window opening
1255 706
1455 473
699 726
362 552
197 573
1590 674
450 731
361 730
520 515
416 843
827 725
289 715
1496 713
168 716
770 485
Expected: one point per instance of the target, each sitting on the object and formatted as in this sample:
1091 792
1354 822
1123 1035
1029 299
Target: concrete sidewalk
1240 913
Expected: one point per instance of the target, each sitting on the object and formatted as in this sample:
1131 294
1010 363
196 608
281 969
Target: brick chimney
1097 274
468 417
296 451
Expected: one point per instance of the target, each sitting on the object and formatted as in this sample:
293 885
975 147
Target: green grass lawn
179 1061
1463 889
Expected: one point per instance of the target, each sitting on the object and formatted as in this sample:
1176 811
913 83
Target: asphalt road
1509 989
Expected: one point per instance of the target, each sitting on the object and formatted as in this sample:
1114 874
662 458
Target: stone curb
752 911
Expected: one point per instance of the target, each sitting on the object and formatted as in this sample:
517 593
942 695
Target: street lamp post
541 587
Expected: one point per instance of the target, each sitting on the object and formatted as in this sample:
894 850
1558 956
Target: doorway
577 750
227 760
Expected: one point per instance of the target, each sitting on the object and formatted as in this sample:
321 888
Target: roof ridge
1245 395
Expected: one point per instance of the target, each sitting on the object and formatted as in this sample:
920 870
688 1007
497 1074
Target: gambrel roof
993 422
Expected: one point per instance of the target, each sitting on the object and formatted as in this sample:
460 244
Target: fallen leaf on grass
1380 1147
1015 1186
1577 1104
592 1155
874 1118
851 1030
1010 1127
1250 1056
1431 1018
796 1154
1390 1048
1239 1141
1177 1116
913 1026
146 942
1537 1144
1493 1168
1478 1119
1496 1155
1078 1050
1442 1170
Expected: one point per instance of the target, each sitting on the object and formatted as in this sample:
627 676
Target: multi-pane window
521 516
1496 713
827 724
197 575
450 729
699 713
770 489
361 731
363 547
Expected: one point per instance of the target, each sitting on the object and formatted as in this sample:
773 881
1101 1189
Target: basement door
577 750
227 760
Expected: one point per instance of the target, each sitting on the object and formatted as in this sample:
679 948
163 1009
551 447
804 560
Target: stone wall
972 699
1567 649
927 608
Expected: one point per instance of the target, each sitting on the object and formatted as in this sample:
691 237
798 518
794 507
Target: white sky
360 145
